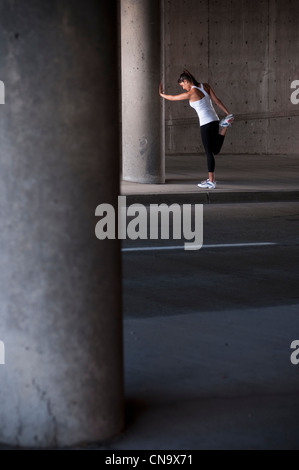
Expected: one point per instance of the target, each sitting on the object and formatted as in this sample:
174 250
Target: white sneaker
227 121
207 185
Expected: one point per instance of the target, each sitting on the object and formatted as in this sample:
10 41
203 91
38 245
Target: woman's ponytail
186 75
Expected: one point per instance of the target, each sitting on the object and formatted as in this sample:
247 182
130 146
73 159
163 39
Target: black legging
212 142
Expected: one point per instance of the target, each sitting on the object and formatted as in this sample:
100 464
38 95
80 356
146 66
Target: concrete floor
240 178
208 335
212 380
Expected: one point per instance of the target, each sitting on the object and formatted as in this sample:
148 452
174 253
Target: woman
200 97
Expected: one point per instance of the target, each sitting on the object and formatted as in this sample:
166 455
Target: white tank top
204 108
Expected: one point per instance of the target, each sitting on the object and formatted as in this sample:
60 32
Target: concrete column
142 108
60 287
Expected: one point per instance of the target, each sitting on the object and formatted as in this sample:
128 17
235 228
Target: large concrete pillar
142 108
60 287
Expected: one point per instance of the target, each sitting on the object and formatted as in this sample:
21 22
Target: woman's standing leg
208 136
212 142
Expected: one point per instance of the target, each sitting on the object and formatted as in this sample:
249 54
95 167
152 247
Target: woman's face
186 85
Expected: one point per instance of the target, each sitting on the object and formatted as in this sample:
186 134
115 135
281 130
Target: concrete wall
248 51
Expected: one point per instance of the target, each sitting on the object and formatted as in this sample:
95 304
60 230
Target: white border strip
181 247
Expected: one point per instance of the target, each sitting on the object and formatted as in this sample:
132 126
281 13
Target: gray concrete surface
247 51
60 288
220 381
143 130
208 335
207 380
246 178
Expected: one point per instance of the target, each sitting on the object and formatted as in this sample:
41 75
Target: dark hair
189 77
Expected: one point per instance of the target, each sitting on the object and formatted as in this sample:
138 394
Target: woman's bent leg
217 138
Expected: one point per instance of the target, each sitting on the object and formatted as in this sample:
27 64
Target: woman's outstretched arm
218 101
182 96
